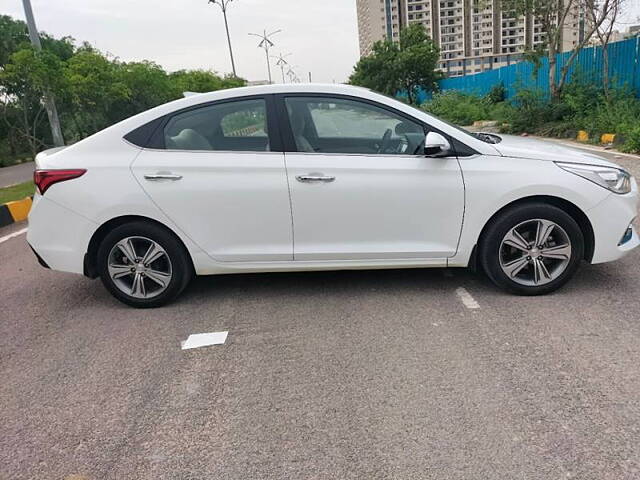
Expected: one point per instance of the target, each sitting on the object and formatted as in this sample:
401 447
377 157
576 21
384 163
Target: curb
12 212
605 138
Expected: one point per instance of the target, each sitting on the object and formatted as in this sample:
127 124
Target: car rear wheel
532 249
143 265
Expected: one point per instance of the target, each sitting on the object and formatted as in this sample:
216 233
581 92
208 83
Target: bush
618 115
632 141
582 106
458 108
496 95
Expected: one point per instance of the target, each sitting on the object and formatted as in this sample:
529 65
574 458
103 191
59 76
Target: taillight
45 178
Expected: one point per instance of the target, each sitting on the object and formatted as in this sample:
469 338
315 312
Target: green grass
16 192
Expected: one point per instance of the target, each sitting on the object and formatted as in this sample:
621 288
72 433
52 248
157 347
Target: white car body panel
378 207
245 193
376 216
493 182
534 149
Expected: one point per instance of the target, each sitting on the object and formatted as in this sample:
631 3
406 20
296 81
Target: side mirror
436 145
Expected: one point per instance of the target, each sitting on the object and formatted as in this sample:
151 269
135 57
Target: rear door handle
315 178
162 176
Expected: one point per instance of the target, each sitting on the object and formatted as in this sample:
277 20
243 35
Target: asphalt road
16 174
348 375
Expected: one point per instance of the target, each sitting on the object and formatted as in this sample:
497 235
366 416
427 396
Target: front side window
230 126
337 125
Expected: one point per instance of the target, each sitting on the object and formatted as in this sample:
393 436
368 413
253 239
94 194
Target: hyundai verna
312 177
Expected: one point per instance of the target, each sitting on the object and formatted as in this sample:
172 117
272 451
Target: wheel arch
568 207
90 257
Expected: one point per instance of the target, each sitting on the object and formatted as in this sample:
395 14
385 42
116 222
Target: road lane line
466 298
198 340
12 235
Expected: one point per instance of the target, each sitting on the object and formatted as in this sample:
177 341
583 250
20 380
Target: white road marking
12 235
467 299
198 340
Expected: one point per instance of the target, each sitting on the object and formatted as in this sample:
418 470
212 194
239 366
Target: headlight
614 179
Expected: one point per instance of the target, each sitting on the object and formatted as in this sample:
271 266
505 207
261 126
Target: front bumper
610 220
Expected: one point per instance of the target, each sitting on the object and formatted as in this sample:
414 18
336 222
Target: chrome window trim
227 152
377 155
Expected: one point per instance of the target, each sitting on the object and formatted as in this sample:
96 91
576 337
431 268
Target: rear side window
230 126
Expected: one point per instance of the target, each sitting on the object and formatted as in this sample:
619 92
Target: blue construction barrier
624 70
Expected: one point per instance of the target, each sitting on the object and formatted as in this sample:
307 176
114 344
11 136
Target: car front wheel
532 249
143 265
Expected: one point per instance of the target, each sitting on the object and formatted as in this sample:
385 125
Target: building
377 19
615 36
473 36
633 31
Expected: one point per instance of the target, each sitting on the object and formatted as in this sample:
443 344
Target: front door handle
315 178
162 176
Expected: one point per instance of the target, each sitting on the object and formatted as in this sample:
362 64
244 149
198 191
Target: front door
359 188
219 181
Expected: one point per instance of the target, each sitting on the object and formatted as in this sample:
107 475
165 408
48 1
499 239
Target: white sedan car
313 177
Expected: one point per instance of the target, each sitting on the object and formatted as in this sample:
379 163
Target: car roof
336 88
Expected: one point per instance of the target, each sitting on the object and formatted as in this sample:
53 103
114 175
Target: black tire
489 248
180 263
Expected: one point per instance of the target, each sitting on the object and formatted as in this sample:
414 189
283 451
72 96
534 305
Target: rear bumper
58 236
40 259
610 220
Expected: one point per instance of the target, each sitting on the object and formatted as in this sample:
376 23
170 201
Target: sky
321 36
630 14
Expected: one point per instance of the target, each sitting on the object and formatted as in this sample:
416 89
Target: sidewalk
608 152
16 174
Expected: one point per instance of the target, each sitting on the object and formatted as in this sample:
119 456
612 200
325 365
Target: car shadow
327 282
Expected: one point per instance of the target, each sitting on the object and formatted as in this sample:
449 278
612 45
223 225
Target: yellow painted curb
583 136
607 138
19 209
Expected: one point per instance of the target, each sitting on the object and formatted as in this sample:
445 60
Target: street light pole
266 43
223 5
266 51
281 63
293 77
49 103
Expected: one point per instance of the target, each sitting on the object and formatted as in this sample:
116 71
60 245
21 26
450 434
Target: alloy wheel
535 252
139 267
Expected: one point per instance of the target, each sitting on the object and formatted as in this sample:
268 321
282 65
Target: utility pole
281 63
293 77
49 103
223 4
266 43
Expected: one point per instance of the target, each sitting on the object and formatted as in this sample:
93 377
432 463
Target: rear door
217 171
360 186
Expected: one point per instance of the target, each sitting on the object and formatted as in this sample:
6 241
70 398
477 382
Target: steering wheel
386 141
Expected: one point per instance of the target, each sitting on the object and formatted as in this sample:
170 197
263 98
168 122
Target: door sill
309 265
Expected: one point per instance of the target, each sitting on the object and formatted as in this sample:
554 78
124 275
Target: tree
93 90
202 81
553 16
147 84
13 37
23 81
604 32
405 66
94 86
